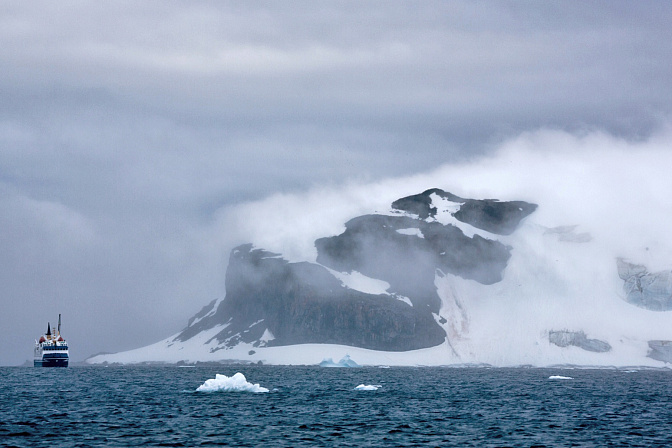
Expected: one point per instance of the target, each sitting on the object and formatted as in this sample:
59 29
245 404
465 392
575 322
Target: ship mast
59 324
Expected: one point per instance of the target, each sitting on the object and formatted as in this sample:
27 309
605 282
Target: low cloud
614 189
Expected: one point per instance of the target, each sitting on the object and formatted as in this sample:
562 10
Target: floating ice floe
344 362
560 377
368 387
236 383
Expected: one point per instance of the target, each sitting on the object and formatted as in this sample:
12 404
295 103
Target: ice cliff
650 290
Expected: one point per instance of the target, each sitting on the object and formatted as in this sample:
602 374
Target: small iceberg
344 362
559 377
236 383
368 387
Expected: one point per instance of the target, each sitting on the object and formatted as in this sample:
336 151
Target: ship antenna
59 324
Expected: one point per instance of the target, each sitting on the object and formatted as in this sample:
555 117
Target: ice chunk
368 387
236 383
560 377
344 362
328 362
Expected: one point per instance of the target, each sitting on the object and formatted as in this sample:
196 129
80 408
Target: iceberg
367 387
344 362
236 383
560 377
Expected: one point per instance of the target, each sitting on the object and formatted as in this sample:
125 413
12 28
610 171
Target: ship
51 350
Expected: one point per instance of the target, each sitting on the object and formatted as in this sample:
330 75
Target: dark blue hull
51 362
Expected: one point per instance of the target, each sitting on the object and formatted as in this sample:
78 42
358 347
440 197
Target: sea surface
319 407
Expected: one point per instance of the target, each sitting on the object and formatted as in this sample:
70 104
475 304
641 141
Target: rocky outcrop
579 339
660 351
303 303
421 204
374 246
642 288
272 302
207 309
491 215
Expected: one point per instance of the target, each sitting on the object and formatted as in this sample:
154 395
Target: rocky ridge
565 338
272 302
448 279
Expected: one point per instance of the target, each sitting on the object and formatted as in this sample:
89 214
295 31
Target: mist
600 198
512 296
616 190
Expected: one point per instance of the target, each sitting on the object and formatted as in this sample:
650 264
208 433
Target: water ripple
312 407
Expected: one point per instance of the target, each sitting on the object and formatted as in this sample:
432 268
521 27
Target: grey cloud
145 120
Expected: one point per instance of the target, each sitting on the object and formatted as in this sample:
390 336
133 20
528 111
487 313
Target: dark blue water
313 407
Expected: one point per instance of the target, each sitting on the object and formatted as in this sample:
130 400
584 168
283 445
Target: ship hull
51 362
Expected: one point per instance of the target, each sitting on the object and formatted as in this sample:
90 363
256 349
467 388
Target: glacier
584 279
527 317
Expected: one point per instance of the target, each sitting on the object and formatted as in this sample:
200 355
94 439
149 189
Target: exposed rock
303 303
501 218
660 351
579 339
652 291
421 204
272 302
201 314
372 245
491 215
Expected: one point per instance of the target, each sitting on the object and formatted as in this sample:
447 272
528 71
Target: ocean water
320 407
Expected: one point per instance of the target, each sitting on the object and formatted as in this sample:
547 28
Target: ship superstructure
51 350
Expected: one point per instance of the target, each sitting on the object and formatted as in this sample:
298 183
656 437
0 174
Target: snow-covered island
436 280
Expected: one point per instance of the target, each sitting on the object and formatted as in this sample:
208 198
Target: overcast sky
128 129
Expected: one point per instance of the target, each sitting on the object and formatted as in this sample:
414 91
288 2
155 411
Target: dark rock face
372 245
193 330
271 302
204 312
577 339
303 303
421 204
652 291
660 351
501 218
